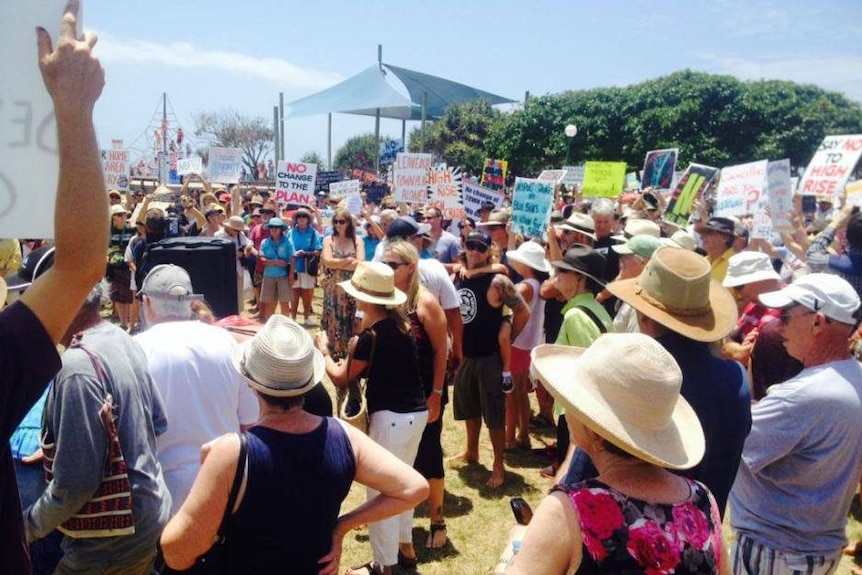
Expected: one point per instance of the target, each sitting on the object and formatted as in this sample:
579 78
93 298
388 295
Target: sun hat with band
676 290
748 267
625 387
236 223
580 223
275 223
374 282
583 260
531 255
828 294
280 360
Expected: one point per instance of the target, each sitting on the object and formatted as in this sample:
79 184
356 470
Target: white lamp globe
571 131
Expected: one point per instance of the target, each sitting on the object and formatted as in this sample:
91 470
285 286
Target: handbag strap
237 482
357 383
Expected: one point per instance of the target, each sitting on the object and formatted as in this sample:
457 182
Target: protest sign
115 166
780 195
445 187
659 166
632 182
375 194
186 166
494 173
225 165
532 201
29 165
389 150
364 175
854 192
574 175
740 188
324 178
830 168
294 183
603 179
173 168
411 177
474 196
553 176
350 192
693 182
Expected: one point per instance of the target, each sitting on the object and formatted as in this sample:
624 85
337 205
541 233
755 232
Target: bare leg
306 302
285 308
471 454
522 408
295 304
437 537
498 472
124 311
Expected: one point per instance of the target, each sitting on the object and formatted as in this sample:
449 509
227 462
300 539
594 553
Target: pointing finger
69 24
43 43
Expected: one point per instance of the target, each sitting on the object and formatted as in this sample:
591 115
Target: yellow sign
604 179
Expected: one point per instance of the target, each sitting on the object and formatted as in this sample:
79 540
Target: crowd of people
690 373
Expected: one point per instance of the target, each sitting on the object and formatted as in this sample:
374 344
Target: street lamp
571 131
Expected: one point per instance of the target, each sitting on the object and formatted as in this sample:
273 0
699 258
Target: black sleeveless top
481 320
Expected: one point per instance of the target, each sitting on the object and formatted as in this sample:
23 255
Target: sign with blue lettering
532 201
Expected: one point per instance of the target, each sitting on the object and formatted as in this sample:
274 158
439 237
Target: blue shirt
307 241
282 250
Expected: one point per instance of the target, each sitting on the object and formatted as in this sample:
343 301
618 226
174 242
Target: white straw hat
625 387
280 360
374 282
531 255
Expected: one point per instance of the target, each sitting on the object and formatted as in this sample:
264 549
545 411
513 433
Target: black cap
721 225
405 227
34 265
479 238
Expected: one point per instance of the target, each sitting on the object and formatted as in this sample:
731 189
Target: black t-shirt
612 269
481 320
394 382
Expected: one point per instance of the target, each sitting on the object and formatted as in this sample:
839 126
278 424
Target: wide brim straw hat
625 388
580 223
4 291
676 290
531 255
235 223
374 282
280 360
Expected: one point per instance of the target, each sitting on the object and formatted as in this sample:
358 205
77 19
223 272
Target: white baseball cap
828 294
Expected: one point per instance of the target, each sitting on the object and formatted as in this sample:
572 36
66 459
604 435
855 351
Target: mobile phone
521 509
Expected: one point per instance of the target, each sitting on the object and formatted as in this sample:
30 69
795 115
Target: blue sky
217 54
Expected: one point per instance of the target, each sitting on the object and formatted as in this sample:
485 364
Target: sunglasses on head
481 248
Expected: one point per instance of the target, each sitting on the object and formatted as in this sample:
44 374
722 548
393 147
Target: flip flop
369 569
435 529
406 562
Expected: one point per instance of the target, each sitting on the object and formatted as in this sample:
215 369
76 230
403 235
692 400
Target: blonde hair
407 252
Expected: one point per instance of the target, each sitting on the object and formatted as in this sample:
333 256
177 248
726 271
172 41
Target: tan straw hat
374 282
235 223
676 290
3 292
625 387
280 360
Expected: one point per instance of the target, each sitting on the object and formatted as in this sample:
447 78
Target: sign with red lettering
740 189
411 178
445 185
294 183
115 165
830 168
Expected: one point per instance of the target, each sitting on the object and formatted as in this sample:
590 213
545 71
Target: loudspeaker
211 264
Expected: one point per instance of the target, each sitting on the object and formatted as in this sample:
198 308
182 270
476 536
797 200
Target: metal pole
163 166
377 141
380 56
281 122
404 134
277 132
424 113
526 98
329 144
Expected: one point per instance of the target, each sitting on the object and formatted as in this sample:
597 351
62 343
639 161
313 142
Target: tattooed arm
502 292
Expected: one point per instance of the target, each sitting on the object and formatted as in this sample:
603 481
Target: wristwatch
438 391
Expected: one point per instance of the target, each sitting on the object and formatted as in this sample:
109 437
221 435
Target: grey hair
388 215
95 298
165 308
602 207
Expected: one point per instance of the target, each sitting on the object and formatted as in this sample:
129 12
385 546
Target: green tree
358 152
229 129
313 158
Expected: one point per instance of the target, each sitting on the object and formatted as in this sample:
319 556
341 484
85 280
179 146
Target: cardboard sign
659 166
294 183
445 186
29 165
350 191
323 179
532 201
603 179
740 188
389 150
411 178
554 176
494 173
115 166
574 175
693 182
474 196
830 168
780 194
188 166
225 165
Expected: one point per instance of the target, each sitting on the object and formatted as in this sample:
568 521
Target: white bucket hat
280 360
748 267
625 387
374 282
531 255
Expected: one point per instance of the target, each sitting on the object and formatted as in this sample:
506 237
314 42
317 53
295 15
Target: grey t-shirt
802 461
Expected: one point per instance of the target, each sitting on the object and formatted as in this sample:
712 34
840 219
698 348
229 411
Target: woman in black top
396 400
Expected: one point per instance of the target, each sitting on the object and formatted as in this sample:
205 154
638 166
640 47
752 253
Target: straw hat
625 387
580 223
235 223
374 282
3 292
280 360
638 227
681 239
676 290
531 255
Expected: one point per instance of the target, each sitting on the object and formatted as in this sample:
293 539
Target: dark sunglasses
786 314
481 248
339 221
395 265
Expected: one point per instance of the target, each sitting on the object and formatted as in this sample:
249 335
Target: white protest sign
186 166
351 192
574 175
740 188
294 183
780 195
225 165
854 193
474 196
554 176
29 165
830 168
411 178
445 186
532 201
115 166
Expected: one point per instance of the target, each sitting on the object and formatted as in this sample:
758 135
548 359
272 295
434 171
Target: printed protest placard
294 183
603 179
693 182
574 175
780 195
474 196
115 166
324 178
186 166
659 166
389 150
740 188
225 165
830 168
532 201
411 177
553 176
28 135
445 186
494 173
350 191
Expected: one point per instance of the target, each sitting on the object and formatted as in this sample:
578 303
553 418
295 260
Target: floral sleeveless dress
339 309
625 535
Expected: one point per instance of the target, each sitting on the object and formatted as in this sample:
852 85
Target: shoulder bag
352 405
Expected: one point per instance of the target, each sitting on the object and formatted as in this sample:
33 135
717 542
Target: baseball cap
721 225
35 264
642 245
168 281
828 294
405 227
478 238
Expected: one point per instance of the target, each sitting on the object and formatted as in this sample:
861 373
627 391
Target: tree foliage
229 129
313 158
358 152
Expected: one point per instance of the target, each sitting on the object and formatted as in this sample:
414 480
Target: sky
218 55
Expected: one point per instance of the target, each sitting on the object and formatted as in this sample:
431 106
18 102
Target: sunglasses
481 248
786 315
395 265
339 221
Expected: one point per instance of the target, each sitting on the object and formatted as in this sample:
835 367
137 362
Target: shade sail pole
404 134
377 141
424 111
329 144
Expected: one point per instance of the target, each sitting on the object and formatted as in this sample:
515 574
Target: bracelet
438 391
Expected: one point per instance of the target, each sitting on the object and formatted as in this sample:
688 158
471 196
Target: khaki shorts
275 289
305 281
479 391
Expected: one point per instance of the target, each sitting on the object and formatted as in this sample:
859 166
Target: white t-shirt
205 397
435 278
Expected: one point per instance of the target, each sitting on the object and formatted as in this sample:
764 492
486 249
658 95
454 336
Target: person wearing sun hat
276 254
234 230
622 399
633 254
397 408
802 461
297 465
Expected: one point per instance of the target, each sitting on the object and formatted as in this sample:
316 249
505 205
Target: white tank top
532 333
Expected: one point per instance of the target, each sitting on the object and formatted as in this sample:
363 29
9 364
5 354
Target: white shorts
304 281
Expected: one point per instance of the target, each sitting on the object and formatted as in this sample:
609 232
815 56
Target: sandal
369 568
432 536
406 562
550 471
